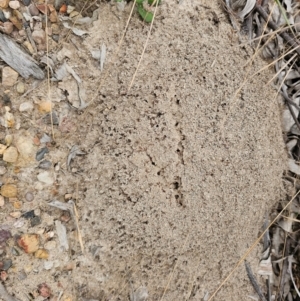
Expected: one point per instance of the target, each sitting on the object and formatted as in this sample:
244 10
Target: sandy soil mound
168 198
166 195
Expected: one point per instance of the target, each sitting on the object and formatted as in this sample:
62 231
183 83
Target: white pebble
46 177
50 245
48 265
14 4
26 106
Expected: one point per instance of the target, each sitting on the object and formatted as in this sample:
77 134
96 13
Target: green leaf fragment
146 15
154 2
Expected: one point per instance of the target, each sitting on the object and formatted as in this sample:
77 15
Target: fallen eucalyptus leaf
247 9
75 151
293 167
62 235
75 30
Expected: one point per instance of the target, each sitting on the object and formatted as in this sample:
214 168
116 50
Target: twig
273 26
5 295
254 282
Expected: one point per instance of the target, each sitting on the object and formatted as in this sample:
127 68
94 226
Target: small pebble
39 36
48 265
10 155
65 217
45 106
22 33
2 148
7 263
35 221
29 196
15 214
53 17
12 200
45 177
29 215
26 106
2 202
38 186
68 196
42 254
55 37
57 167
47 118
17 205
9 76
29 47
15 251
8 140
29 242
69 266
19 223
7 27
3 170
27 269
70 9
45 139
27 16
20 88
49 235
44 290
37 212
50 245
36 140
2 17
74 14
26 2
33 10
9 190
14 4
42 8
45 164
4 3
40 231
3 275
4 235
9 120
41 153
7 13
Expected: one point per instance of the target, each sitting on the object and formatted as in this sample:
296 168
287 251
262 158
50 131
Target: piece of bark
16 58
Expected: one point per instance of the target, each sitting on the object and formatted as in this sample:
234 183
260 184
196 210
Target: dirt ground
177 174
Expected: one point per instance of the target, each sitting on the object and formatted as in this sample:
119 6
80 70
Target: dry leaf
247 9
